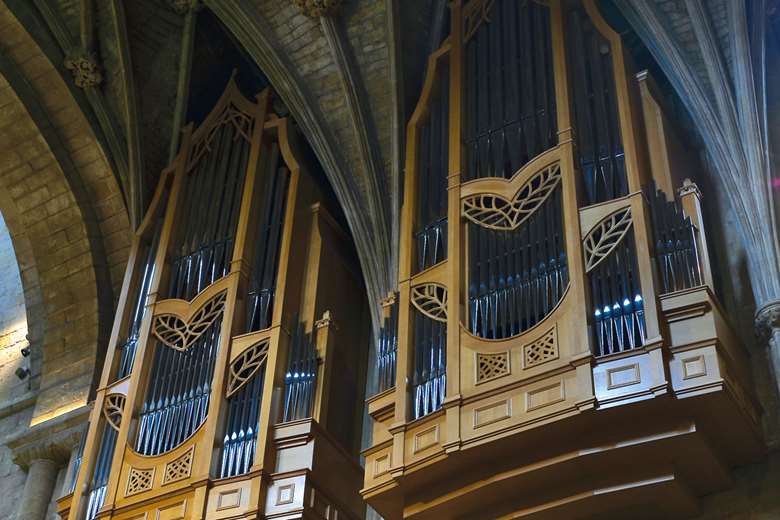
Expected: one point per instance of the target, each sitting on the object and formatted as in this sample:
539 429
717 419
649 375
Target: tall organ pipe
140 296
599 143
275 182
388 350
432 166
300 381
99 479
240 440
516 278
178 392
616 301
430 365
510 90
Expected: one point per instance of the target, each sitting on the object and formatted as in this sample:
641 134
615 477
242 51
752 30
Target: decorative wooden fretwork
179 334
231 115
431 300
246 365
605 237
495 212
179 468
112 409
474 14
492 366
543 349
139 480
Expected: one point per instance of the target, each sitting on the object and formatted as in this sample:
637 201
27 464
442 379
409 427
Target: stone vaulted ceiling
351 78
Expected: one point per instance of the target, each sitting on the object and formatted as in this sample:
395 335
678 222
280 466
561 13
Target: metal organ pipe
178 393
275 180
616 299
509 90
240 439
431 235
516 278
301 377
99 479
676 252
388 350
597 129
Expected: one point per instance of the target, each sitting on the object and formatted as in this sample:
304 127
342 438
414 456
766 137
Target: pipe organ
234 379
556 312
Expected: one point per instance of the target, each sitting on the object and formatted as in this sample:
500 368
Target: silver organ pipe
178 393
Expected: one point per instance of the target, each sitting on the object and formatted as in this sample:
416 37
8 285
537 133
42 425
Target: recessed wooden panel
381 465
285 494
426 438
619 377
694 366
228 499
544 396
492 413
172 512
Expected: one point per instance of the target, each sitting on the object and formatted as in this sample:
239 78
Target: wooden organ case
241 296
560 352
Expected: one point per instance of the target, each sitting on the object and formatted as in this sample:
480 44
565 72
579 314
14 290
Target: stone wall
13 329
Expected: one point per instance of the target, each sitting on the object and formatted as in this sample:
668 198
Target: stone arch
67 219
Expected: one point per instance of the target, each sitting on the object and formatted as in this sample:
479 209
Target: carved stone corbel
317 8
85 69
184 6
767 323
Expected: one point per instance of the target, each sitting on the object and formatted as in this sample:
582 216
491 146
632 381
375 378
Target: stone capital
767 319
184 6
317 8
52 440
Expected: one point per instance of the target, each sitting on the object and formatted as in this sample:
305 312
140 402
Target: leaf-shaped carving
495 212
246 365
431 300
175 332
605 237
113 406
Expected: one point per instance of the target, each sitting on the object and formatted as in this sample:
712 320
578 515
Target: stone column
38 489
768 327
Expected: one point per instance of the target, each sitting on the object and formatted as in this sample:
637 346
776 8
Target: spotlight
25 351
22 373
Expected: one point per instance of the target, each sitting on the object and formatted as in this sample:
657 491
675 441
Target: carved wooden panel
175 332
491 366
541 350
605 237
232 115
179 468
112 409
139 480
475 13
246 365
495 212
431 300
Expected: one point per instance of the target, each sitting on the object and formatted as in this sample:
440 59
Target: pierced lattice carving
139 480
232 115
492 366
112 409
495 212
431 300
543 349
246 365
605 237
180 468
178 334
474 14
